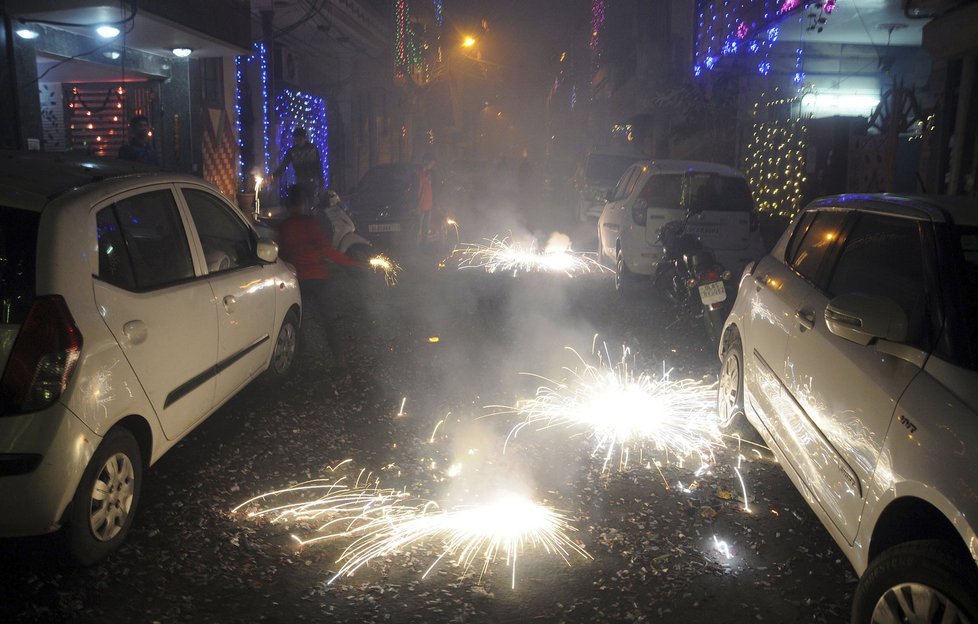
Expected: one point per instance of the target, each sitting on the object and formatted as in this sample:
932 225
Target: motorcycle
690 276
340 229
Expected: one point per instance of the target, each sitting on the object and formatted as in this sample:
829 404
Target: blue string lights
728 27
292 109
295 109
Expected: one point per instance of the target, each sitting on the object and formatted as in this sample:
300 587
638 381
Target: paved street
666 544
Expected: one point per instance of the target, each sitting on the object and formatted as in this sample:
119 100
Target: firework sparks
504 529
380 262
621 409
384 521
502 255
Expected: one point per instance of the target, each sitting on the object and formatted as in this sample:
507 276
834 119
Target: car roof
962 210
30 180
685 166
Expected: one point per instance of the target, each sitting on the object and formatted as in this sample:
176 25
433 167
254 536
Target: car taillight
639 213
708 277
42 359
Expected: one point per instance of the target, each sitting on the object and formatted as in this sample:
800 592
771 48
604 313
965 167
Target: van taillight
639 213
42 359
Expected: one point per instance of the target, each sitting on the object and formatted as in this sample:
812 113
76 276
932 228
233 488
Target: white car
132 307
652 193
852 348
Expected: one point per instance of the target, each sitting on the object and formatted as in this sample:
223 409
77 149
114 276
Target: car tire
105 501
625 282
915 581
285 349
730 388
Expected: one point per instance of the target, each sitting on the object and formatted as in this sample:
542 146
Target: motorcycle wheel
713 321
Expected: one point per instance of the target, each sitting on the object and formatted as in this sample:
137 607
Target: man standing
306 164
140 147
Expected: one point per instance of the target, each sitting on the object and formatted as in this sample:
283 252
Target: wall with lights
294 109
272 128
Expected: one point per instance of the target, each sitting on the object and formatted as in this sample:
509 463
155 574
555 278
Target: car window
663 191
710 191
624 183
817 240
798 235
18 251
389 179
606 166
142 244
883 256
967 238
227 242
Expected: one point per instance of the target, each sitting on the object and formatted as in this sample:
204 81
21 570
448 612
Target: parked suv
652 193
131 307
852 348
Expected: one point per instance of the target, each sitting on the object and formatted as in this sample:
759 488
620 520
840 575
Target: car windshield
389 179
18 248
607 167
710 191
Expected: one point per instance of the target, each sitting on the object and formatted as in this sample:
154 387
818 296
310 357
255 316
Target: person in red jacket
304 245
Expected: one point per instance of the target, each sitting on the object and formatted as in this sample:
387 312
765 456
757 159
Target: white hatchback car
652 193
852 348
131 307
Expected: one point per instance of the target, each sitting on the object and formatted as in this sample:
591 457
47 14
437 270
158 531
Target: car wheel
105 501
924 581
730 389
285 349
624 280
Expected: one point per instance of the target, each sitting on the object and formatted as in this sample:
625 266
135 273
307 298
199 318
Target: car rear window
710 191
391 179
604 167
663 191
18 257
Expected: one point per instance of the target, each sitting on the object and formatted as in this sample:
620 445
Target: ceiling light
107 32
27 33
112 54
182 52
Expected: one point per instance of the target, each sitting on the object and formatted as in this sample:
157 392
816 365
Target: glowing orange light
468 42
434 339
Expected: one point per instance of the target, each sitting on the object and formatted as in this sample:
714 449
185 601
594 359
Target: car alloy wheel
916 603
730 390
111 497
286 345
105 501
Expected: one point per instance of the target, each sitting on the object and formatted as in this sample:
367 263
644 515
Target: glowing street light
468 42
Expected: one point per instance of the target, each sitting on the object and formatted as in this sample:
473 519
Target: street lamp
468 42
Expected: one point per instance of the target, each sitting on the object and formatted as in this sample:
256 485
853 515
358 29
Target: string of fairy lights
291 109
776 162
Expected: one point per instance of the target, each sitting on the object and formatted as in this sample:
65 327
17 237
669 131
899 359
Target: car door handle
805 319
135 332
229 302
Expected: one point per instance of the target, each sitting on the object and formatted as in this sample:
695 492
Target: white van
652 193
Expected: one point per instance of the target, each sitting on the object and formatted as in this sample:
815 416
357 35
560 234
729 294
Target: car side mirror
267 250
863 318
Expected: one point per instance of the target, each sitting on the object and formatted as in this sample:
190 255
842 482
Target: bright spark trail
502 255
384 522
621 410
380 262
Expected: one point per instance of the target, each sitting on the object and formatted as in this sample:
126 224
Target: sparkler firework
621 410
384 521
502 255
380 262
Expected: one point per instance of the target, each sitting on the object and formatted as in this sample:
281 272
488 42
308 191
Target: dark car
385 204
